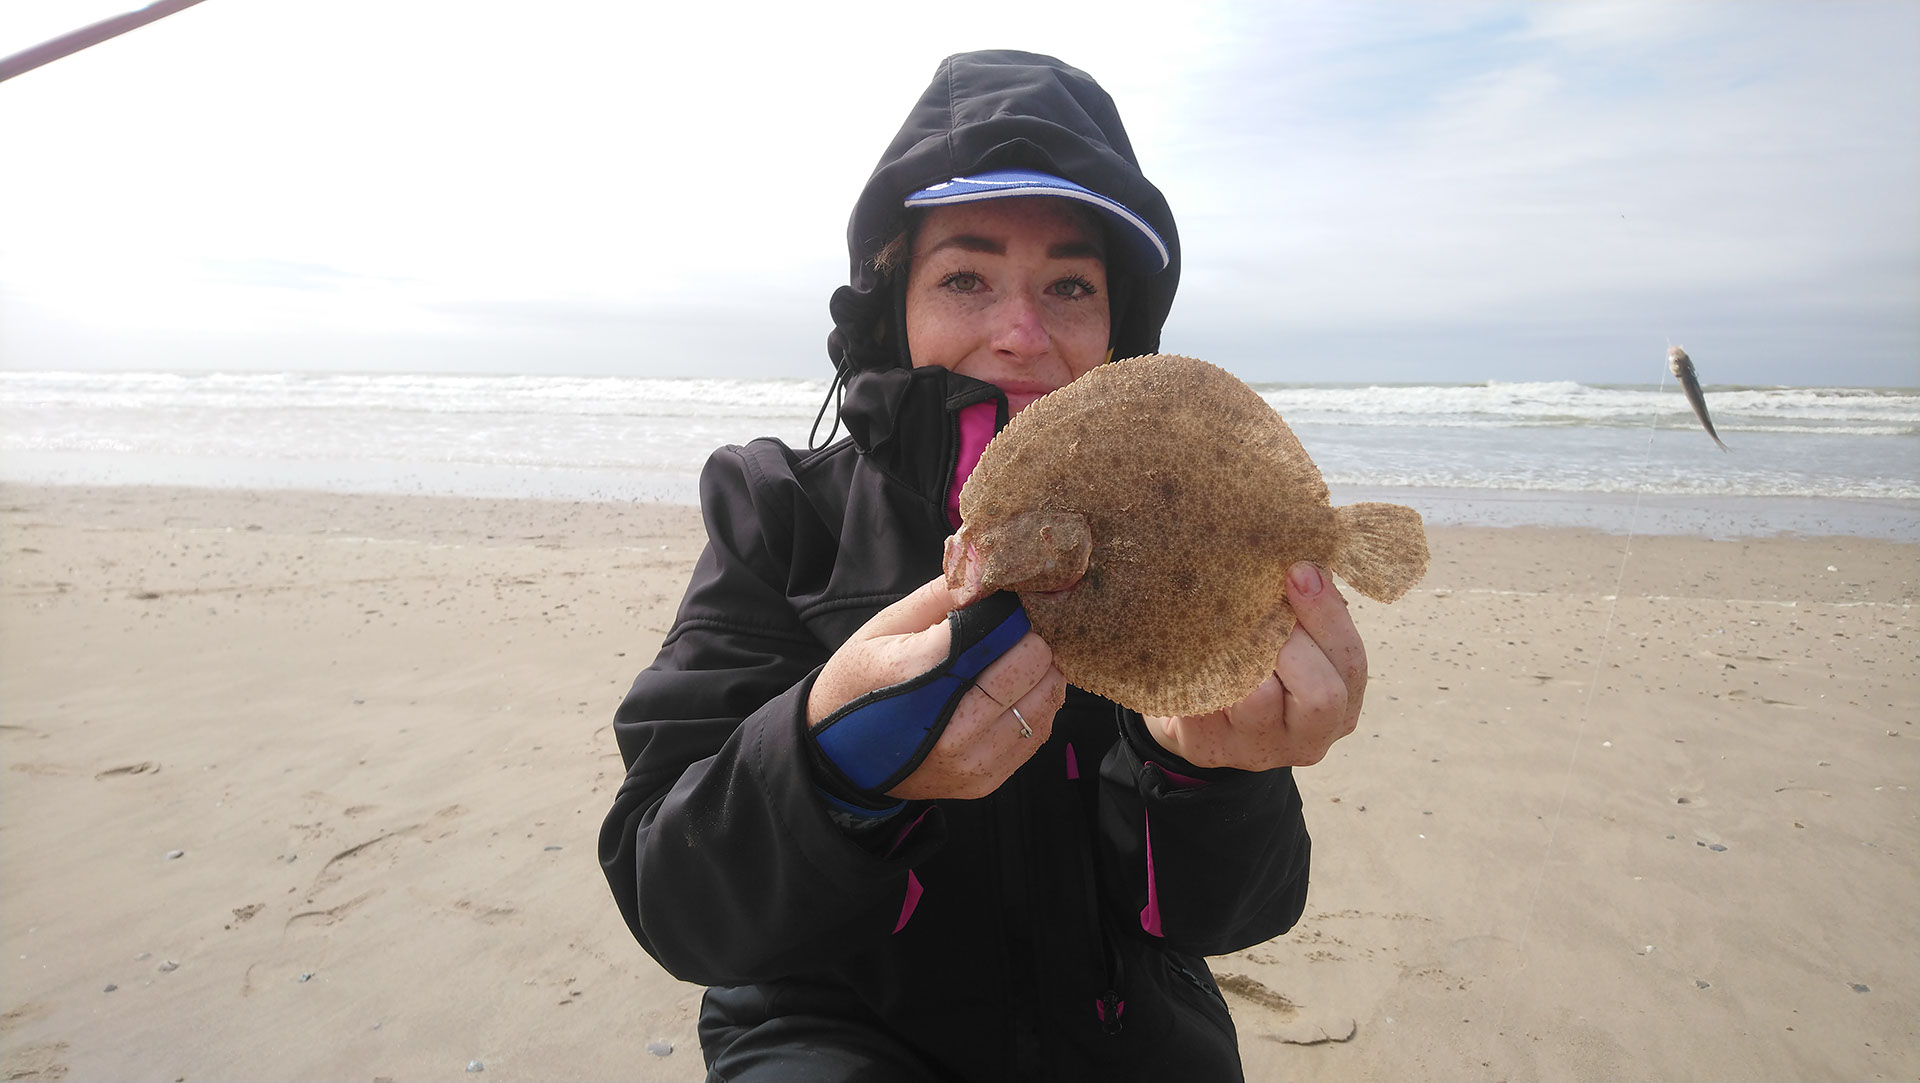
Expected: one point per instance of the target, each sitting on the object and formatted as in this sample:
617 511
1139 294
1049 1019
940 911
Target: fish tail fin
1383 549
1710 432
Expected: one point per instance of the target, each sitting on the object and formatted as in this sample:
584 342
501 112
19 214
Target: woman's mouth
1021 396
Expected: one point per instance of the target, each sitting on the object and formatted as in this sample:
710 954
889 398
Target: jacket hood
997 109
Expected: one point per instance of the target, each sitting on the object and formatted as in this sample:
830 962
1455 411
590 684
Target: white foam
1522 438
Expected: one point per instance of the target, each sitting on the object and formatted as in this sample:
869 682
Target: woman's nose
1019 327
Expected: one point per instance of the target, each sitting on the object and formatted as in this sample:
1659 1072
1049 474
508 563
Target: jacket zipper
1110 1007
1021 953
1194 980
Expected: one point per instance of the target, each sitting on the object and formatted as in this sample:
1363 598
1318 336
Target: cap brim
1144 247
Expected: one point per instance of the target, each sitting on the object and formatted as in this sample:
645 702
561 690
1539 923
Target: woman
894 843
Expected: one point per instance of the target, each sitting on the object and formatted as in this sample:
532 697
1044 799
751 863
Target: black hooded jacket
1050 931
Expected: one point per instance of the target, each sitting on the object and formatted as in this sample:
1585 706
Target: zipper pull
1109 1008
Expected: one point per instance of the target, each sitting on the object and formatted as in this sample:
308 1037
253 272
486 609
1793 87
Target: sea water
1608 457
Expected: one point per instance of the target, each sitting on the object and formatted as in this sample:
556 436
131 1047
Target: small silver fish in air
1682 367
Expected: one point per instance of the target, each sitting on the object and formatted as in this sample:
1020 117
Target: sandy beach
306 786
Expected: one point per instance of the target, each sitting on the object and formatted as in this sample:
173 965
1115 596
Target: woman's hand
982 745
1311 699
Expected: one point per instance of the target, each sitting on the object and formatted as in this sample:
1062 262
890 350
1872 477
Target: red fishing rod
75 40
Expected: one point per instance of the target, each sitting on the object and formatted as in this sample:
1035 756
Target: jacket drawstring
836 395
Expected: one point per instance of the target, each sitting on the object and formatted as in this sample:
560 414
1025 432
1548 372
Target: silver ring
1025 730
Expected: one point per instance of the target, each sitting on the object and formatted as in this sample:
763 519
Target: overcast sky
1374 192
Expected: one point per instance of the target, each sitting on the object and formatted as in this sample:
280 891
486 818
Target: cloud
1631 168
281 274
1459 180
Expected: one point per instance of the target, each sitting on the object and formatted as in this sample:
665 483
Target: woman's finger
1322 612
1265 707
1037 709
1011 681
1010 676
927 606
907 638
1313 685
982 746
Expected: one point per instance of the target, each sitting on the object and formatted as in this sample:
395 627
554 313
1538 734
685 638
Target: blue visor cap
1144 249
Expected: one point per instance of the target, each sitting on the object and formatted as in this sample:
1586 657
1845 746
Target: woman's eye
1073 287
962 281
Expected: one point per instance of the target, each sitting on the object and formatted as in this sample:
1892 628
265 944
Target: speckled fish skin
1187 498
1682 367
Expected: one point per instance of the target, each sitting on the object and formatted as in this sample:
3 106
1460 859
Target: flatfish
1146 514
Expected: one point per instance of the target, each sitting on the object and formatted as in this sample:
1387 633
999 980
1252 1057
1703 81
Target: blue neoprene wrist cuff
858 812
876 741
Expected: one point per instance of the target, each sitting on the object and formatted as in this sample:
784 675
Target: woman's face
1009 291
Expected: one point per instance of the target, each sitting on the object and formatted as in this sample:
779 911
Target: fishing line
1586 713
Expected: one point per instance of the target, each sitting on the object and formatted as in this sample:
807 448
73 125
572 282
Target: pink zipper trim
908 830
976 428
912 900
1185 782
1150 913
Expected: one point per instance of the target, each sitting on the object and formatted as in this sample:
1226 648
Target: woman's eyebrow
969 242
973 242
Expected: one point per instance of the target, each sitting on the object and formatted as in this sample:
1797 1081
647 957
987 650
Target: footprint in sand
1743 696
38 1060
1272 1016
50 770
1255 991
330 916
340 864
437 826
25 1013
485 915
144 767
